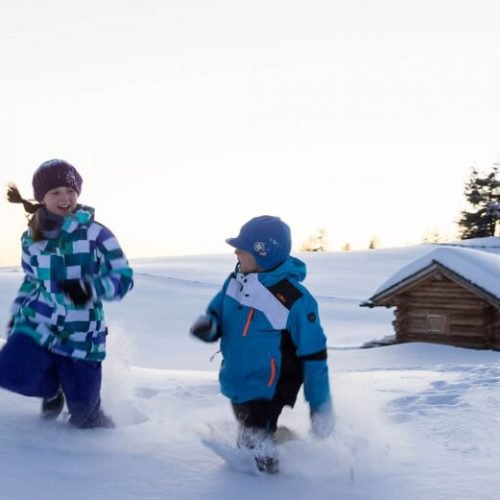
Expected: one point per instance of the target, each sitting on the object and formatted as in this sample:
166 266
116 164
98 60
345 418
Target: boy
272 341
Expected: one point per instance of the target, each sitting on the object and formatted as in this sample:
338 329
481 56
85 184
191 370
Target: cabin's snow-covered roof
478 267
487 244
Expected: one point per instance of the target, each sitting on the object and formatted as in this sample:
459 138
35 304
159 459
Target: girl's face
247 262
61 200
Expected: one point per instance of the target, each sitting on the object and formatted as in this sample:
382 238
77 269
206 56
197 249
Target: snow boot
267 464
97 420
52 407
263 447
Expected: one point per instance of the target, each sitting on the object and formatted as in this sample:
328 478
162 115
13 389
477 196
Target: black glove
78 291
10 324
205 328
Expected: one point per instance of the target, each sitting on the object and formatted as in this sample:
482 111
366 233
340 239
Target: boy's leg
28 368
258 414
81 382
257 425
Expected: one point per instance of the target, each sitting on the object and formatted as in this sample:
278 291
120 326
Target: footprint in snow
145 392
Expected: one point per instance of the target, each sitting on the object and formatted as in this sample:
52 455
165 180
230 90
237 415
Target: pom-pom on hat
267 238
52 174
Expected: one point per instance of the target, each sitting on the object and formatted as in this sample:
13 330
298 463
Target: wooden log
459 306
470 332
460 291
456 319
461 332
478 321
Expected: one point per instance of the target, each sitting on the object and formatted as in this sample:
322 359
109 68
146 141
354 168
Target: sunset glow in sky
186 118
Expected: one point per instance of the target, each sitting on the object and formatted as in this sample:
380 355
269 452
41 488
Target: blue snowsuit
271 338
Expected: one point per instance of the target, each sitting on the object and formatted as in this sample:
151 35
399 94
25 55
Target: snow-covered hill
414 421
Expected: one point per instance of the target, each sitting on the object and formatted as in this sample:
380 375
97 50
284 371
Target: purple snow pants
29 369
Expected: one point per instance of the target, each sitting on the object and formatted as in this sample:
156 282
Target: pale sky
188 117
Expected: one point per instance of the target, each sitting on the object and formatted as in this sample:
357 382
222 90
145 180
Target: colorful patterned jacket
85 250
271 337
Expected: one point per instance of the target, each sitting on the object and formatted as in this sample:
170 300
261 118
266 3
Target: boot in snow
267 464
52 407
97 420
263 446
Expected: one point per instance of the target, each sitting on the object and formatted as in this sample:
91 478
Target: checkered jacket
85 250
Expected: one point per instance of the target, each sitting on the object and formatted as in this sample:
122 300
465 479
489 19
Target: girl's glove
78 291
322 421
205 328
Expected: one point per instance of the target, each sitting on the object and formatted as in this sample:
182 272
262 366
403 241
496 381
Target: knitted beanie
52 174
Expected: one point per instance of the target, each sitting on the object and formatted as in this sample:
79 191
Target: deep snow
414 421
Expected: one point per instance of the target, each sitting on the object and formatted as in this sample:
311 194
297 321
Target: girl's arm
29 282
114 278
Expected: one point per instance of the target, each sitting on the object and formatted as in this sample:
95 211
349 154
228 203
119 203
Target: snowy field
414 421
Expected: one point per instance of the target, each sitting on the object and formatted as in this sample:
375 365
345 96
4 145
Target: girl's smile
61 200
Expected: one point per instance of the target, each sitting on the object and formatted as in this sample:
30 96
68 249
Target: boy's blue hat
267 238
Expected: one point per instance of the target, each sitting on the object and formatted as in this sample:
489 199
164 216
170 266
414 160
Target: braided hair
31 209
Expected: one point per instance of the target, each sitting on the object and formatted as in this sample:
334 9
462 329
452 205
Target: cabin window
436 323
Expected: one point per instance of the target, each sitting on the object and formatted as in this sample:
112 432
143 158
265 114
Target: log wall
440 310
496 330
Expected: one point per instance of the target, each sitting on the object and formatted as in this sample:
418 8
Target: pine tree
374 243
433 236
316 243
483 195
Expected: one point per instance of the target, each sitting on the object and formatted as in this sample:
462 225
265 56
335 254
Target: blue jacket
271 337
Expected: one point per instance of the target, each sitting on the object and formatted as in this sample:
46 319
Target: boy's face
61 200
247 262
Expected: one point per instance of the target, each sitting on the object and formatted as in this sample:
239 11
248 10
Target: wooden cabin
449 296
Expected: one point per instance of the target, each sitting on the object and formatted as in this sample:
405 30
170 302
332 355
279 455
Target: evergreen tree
483 195
316 243
374 243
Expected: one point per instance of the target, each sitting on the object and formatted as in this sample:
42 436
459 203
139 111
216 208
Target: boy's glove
78 291
205 328
322 421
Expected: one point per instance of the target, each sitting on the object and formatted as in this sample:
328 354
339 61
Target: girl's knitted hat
52 174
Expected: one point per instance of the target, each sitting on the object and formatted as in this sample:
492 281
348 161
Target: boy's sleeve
114 277
309 338
215 308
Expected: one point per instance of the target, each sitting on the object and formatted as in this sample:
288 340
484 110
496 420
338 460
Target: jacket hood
292 268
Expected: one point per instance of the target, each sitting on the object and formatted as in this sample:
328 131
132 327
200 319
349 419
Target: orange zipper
273 372
249 319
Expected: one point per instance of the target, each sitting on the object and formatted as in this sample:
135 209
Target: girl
57 334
